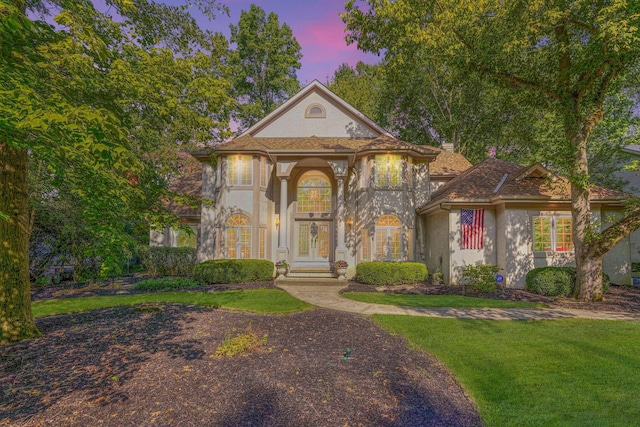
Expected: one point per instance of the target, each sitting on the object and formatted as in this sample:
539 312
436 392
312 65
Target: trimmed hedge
233 271
164 261
554 281
390 273
166 283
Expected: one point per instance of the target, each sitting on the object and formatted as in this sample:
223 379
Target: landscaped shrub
480 276
554 281
166 283
164 261
551 281
233 271
390 273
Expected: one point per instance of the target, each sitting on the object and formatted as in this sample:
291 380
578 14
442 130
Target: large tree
429 103
263 64
564 57
104 104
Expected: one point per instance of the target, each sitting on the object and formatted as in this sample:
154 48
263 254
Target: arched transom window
238 237
315 111
388 238
314 193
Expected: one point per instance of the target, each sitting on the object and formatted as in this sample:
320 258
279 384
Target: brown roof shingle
314 143
448 163
494 178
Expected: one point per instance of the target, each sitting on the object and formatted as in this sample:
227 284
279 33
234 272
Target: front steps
311 274
309 281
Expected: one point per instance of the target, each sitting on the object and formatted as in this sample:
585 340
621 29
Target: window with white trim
552 233
314 193
262 244
264 172
388 170
240 170
364 172
365 245
388 239
238 237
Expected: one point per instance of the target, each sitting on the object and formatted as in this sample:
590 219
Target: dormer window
315 111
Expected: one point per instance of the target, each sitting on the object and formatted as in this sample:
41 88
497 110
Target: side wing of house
188 234
515 217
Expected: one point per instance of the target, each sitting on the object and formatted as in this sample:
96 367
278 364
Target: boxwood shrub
233 271
165 261
555 281
390 273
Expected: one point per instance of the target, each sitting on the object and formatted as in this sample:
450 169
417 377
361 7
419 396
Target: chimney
448 146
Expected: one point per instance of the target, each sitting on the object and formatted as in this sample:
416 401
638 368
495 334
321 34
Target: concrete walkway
326 295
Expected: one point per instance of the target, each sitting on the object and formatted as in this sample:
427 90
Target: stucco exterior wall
434 185
337 123
459 258
436 244
617 262
515 237
520 257
634 188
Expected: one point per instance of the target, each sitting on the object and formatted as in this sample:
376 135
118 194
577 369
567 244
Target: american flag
472 228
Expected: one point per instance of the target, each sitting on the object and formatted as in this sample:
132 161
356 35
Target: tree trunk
16 319
589 280
588 268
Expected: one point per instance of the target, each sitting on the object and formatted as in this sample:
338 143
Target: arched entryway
313 222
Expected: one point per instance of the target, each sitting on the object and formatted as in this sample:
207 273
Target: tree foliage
263 64
104 104
361 86
563 59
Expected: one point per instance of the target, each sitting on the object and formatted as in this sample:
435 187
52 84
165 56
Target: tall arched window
238 237
314 193
388 239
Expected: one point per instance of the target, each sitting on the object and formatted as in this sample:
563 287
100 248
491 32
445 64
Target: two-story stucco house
316 181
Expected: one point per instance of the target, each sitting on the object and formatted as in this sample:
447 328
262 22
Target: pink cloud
323 40
324 47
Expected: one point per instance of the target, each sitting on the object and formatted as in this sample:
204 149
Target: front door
312 244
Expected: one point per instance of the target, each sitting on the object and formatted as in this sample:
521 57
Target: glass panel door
312 241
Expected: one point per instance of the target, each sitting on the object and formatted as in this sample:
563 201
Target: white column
283 213
340 214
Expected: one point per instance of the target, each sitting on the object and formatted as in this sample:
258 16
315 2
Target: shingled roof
318 144
495 179
448 163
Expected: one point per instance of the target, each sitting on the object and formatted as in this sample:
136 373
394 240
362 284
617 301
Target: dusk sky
317 26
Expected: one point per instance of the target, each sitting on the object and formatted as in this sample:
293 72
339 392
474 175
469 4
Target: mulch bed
619 298
126 285
156 365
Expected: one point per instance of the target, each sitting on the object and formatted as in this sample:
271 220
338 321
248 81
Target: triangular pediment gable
535 171
315 110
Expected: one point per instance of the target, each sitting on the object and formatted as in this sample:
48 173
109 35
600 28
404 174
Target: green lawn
436 300
537 373
258 300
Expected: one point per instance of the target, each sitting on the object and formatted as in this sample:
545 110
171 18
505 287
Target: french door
312 243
